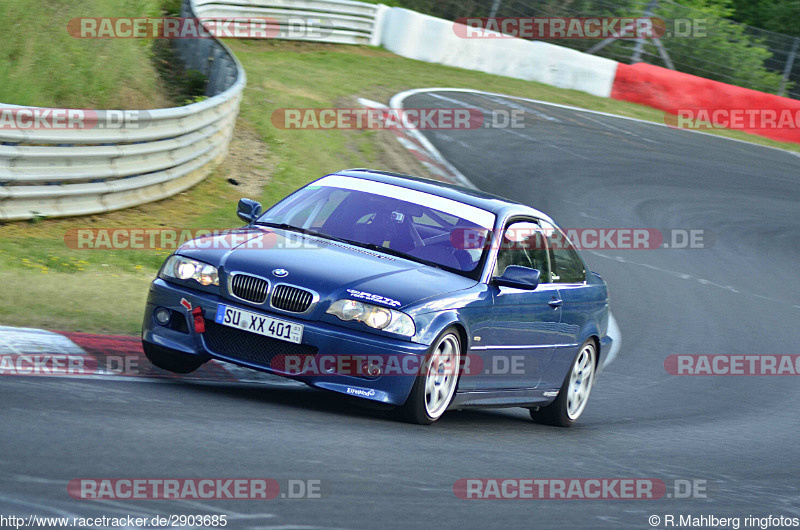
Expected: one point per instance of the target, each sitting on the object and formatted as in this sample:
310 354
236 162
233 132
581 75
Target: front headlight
181 268
373 316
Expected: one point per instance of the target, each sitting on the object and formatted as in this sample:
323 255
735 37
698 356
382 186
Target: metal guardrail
63 172
332 21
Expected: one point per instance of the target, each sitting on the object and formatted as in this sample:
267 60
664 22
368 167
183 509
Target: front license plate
259 324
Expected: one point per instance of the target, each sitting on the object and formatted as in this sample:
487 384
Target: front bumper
328 339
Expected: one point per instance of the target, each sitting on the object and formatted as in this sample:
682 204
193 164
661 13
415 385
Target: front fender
607 333
592 330
430 325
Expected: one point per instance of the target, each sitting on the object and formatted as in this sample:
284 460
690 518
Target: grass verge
41 64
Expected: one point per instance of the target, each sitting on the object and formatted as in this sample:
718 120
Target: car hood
334 270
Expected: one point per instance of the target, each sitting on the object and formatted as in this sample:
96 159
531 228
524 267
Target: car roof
499 206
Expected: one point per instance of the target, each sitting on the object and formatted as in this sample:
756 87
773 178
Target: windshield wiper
306 231
282 226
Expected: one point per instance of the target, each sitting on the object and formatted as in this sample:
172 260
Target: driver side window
523 244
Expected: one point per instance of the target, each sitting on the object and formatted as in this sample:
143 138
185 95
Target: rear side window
567 265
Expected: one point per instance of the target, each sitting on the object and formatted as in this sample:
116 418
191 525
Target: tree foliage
780 16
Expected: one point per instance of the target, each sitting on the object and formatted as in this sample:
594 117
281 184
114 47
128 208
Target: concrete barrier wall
426 38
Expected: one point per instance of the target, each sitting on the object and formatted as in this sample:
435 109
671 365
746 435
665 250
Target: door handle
555 303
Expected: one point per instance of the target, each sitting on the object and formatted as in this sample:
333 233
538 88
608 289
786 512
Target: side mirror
248 210
519 277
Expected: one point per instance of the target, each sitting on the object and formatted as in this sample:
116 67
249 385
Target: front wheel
433 392
574 393
180 363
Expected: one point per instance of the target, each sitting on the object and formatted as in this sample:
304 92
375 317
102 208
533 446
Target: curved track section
739 434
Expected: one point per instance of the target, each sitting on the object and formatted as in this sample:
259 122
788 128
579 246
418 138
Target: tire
574 393
433 392
180 363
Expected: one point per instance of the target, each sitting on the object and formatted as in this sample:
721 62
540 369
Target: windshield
412 224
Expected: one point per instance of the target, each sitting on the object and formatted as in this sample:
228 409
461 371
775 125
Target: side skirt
521 397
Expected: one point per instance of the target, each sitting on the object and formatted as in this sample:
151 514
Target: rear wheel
180 363
433 391
575 390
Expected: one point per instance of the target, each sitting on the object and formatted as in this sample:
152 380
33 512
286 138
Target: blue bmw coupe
394 289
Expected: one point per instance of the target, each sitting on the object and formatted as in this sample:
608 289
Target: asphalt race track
738 435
